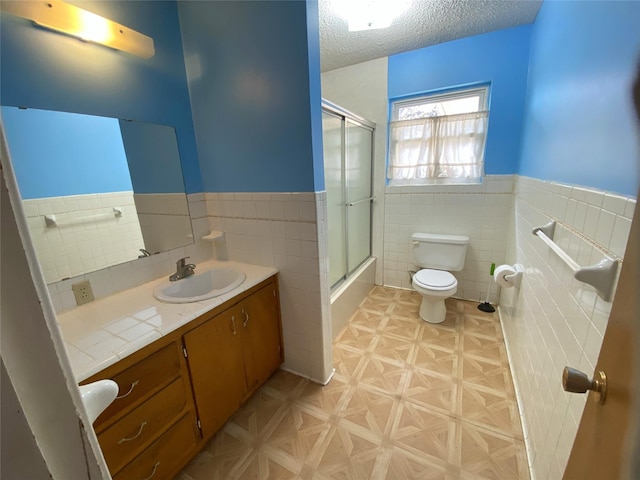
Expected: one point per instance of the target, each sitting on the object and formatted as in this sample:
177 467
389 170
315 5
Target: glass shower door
358 193
333 145
348 149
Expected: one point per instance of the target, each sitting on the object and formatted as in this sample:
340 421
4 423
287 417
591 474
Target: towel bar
52 221
601 276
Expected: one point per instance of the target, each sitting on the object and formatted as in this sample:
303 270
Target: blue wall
315 92
580 127
500 58
57 154
45 70
251 93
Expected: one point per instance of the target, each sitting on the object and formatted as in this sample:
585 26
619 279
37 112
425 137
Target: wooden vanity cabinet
177 392
214 352
157 366
261 336
164 458
232 354
153 414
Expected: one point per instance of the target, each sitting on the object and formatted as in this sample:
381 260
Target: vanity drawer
164 456
138 380
122 441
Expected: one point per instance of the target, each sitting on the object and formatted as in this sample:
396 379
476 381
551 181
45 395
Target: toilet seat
435 280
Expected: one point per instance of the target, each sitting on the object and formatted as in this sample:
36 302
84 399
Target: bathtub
346 297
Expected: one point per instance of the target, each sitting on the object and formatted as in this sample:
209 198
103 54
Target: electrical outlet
83 293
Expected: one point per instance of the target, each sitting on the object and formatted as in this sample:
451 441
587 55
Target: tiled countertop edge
101 333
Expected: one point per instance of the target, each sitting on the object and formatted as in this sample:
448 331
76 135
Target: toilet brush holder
486 306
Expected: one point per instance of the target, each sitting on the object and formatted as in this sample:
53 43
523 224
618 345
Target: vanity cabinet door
261 338
214 355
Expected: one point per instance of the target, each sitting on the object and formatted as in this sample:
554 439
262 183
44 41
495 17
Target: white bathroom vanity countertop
100 333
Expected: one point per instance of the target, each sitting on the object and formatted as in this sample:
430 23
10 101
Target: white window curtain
433 150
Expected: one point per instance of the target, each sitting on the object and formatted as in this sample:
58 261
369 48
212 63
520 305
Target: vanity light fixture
71 20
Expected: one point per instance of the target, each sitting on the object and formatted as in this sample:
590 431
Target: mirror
96 191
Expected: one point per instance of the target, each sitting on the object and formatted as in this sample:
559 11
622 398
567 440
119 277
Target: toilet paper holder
511 279
515 278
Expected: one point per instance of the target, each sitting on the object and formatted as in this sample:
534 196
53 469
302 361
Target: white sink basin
97 396
202 286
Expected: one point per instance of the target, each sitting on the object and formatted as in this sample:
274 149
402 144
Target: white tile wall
107 281
283 230
164 220
82 242
553 320
481 212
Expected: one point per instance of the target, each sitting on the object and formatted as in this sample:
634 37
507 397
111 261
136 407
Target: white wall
21 458
287 231
555 321
362 89
33 352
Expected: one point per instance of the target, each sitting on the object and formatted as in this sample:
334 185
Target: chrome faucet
183 269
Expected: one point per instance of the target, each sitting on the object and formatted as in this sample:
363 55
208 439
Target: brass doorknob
575 381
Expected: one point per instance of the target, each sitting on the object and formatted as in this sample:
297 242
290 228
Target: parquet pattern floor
408 401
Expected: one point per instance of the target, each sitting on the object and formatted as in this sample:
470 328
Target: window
438 139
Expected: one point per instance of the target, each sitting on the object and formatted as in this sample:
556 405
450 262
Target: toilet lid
435 278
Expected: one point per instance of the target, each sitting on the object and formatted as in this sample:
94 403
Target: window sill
439 188
490 184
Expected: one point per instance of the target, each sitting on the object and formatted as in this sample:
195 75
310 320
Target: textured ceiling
426 22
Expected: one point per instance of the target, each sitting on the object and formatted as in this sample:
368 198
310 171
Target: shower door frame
353 119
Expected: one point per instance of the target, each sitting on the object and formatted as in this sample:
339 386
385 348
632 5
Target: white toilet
436 254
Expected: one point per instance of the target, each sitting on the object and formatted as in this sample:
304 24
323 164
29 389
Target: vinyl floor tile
489 455
409 401
489 409
435 359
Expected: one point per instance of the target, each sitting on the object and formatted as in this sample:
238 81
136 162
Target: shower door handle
370 199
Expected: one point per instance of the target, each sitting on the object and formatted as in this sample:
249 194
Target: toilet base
433 310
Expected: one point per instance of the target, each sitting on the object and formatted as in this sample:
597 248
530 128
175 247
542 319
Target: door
333 144
359 146
605 431
216 365
348 157
260 335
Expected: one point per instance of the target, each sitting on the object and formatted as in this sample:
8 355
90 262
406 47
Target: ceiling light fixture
71 20
369 14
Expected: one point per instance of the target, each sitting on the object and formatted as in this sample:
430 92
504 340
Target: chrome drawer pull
155 467
122 440
246 317
233 324
130 389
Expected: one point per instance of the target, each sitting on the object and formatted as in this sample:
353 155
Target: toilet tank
440 252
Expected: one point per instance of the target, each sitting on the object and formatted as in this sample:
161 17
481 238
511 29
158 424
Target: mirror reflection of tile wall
97 191
164 220
89 234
